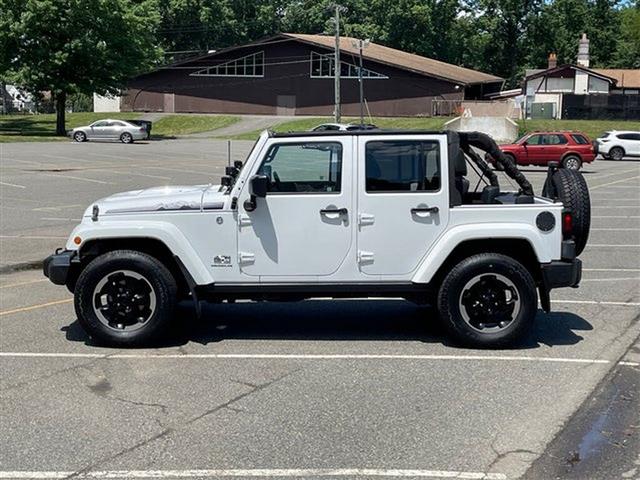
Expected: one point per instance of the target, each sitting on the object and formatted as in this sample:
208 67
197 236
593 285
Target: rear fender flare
542 244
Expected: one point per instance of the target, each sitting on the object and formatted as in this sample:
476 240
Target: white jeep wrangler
333 214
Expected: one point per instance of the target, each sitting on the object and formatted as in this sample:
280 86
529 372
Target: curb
20 267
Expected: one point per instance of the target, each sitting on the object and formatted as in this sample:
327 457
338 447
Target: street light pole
336 64
361 45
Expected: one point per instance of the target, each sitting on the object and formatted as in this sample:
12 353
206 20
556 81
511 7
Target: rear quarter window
579 139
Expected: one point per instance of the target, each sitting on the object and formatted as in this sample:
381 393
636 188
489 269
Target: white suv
333 214
617 145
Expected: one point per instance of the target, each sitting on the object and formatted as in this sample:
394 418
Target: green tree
80 46
627 54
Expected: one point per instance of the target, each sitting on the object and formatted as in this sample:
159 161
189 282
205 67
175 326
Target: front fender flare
164 232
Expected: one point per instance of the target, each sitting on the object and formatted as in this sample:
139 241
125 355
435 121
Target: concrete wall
497 108
500 129
106 103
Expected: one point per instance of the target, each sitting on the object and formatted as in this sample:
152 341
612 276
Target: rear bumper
56 267
561 273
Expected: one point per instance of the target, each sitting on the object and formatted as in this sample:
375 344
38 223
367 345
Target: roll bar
487 144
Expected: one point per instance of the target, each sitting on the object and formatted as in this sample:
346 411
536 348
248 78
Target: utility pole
336 63
361 45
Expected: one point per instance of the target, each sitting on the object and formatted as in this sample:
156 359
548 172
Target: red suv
570 149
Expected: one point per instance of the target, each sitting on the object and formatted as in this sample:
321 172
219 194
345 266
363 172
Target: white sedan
109 130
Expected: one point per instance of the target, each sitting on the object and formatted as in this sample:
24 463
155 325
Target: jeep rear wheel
488 300
125 298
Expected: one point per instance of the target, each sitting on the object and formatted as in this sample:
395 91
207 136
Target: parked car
343 127
109 129
338 215
569 149
143 123
616 145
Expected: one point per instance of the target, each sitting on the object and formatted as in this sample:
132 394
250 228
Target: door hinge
246 257
365 257
244 220
366 219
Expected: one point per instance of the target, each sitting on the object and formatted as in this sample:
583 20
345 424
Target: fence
601 107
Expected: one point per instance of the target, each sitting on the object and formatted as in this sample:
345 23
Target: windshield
521 138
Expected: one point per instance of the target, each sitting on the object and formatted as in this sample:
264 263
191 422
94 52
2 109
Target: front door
535 149
302 228
403 202
99 129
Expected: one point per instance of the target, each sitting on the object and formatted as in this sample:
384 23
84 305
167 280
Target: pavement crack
163 408
237 398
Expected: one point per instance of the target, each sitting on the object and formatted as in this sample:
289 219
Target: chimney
553 60
583 51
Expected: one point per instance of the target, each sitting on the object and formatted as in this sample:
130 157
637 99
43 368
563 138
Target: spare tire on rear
570 187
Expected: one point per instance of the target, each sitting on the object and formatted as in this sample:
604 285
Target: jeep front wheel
488 300
125 298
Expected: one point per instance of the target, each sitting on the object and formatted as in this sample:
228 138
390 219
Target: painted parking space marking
258 473
35 307
65 176
613 183
611 269
598 302
307 356
7 184
19 284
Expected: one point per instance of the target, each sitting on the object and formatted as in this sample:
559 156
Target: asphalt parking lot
331 389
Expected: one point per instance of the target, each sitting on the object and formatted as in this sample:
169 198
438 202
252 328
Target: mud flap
545 298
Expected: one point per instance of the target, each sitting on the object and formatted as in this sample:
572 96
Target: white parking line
611 269
261 472
302 356
610 279
630 364
65 176
608 245
598 302
615 229
12 185
612 183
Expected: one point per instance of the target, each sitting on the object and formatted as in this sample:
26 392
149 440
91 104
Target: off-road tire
126 137
79 137
154 272
452 287
616 153
570 187
572 162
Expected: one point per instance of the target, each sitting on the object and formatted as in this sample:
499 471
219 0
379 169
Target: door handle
425 210
329 211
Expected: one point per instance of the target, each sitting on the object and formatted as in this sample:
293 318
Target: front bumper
56 267
561 273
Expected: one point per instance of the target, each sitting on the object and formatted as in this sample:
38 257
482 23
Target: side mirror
258 185
238 164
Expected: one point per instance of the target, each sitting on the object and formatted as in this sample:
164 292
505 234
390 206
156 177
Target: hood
162 199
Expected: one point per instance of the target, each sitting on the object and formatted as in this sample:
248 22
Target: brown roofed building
293 74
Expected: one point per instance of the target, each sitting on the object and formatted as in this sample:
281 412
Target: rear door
403 203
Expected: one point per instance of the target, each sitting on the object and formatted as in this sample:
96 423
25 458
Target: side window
402 166
534 140
629 136
303 167
554 139
579 139
100 124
